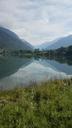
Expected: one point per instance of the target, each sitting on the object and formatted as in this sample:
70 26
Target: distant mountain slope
61 42
10 40
44 45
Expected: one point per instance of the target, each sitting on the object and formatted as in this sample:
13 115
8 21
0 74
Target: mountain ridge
57 43
10 40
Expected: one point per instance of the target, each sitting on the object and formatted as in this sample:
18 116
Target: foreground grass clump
48 105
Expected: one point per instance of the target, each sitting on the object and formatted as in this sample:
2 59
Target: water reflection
16 71
57 65
10 65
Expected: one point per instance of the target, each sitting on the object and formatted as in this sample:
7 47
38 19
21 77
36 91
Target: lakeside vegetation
47 105
60 52
62 55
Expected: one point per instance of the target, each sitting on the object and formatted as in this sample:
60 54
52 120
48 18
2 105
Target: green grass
48 105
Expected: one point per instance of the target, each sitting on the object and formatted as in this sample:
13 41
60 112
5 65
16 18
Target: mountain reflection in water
15 72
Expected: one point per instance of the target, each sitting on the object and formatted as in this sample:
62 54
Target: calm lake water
15 71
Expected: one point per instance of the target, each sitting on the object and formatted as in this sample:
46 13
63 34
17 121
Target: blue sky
37 21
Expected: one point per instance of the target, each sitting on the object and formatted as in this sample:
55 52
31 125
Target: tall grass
47 105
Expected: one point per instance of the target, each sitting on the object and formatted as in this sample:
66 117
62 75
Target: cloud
37 20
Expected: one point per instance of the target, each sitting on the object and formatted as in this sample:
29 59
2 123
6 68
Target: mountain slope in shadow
10 40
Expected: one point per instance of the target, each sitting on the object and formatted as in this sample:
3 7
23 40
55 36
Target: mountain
10 40
43 46
61 42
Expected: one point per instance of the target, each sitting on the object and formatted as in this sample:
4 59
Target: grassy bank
48 105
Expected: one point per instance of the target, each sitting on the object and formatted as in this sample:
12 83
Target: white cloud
37 20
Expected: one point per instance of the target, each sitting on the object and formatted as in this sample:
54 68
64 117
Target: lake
16 72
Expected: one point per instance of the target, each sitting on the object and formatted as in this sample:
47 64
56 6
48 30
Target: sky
37 21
